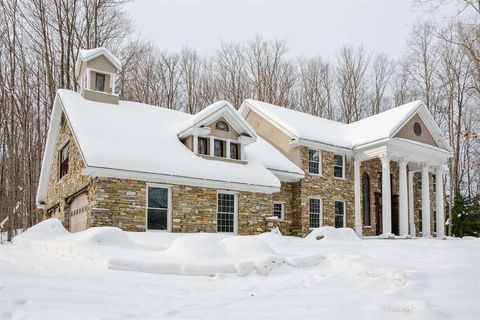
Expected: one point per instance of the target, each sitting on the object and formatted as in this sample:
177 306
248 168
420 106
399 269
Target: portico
410 156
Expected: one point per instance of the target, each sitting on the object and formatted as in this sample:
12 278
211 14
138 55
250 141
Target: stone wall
417 203
328 188
291 222
122 203
61 190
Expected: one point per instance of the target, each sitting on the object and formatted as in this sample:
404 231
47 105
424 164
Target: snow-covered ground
104 273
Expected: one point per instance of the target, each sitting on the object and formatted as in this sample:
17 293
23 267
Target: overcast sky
310 27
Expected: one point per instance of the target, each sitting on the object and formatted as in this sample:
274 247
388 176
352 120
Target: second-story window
63 159
313 161
202 145
338 166
234 151
219 148
99 81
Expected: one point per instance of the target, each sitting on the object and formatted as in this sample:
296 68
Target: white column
386 196
403 198
195 143
439 205
411 213
112 80
212 147
227 146
358 207
425 202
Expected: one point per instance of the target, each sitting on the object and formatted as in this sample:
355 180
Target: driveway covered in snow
105 273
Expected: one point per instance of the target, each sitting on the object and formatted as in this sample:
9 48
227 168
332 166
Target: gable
230 134
407 132
99 63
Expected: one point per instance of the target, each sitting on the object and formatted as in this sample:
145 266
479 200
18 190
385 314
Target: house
140 167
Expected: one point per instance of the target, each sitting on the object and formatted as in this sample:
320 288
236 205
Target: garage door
78 213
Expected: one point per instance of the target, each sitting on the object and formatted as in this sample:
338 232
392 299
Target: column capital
426 166
402 162
357 163
384 158
439 170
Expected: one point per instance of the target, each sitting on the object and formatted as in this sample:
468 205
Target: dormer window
219 148
202 146
222 125
234 151
99 81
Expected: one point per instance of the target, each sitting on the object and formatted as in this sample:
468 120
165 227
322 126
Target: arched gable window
221 125
366 199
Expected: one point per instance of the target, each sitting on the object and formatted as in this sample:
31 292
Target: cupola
96 71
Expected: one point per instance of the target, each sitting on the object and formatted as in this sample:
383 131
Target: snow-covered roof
213 112
302 126
85 55
142 140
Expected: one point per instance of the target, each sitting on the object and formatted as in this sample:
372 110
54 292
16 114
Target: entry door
158 207
395 224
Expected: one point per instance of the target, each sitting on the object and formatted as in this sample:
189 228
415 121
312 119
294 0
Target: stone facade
61 191
417 203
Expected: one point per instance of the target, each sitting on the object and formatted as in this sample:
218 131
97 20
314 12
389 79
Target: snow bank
193 254
333 234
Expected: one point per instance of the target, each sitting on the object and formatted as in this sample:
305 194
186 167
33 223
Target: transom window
278 210
157 208
219 148
234 151
221 125
338 166
202 146
313 161
339 214
63 159
315 212
226 209
99 81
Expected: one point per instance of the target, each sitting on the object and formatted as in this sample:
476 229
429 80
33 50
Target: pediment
415 129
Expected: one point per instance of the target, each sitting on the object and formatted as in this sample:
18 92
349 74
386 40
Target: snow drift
195 254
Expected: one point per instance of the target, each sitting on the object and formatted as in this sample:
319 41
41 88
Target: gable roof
139 141
215 111
85 55
302 126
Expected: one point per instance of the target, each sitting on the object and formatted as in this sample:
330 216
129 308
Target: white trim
287 176
320 166
169 209
343 166
102 51
178 180
320 218
282 218
344 212
235 209
297 142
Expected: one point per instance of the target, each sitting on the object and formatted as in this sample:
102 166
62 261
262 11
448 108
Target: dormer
96 71
218 132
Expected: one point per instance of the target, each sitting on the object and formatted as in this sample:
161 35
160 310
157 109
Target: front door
395 225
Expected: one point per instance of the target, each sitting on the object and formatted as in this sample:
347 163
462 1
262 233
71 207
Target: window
219 148
234 151
314 161
99 81
278 210
202 146
221 125
366 199
434 220
379 182
157 208
63 156
315 212
434 182
338 166
339 214
226 212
